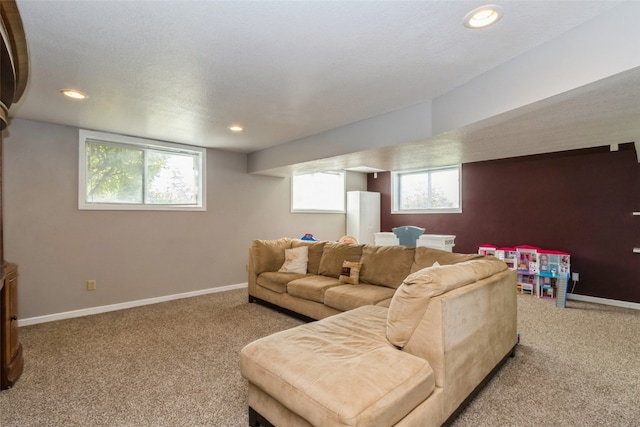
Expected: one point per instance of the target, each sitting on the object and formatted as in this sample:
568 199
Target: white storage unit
363 215
386 239
444 242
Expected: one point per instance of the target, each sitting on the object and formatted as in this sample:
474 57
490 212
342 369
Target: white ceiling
182 71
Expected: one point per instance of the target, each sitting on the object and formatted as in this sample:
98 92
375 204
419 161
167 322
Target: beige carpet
176 364
575 366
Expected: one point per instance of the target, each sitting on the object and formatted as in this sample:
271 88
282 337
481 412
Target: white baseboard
605 301
123 305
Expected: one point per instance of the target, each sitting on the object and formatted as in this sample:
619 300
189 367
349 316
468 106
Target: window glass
114 173
318 192
427 191
172 178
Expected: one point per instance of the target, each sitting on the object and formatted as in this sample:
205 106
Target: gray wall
133 255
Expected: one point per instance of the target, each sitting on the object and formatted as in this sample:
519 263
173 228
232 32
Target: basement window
119 172
321 192
427 190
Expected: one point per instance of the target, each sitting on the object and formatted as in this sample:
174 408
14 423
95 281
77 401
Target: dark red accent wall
580 201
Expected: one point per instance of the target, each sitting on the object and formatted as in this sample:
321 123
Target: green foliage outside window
115 173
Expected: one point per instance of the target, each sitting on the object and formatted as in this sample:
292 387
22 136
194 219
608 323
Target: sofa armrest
464 333
265 255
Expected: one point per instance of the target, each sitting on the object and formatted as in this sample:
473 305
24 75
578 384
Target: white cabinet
363 215
444 242
386 238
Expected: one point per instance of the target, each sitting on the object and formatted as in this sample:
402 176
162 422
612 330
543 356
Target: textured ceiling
182 71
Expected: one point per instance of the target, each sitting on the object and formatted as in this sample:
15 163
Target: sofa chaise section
339 372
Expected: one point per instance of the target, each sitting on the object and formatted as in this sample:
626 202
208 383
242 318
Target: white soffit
364 169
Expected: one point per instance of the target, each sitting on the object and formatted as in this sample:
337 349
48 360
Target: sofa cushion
410 301
311 288
276 281
334 254
385 302
295 260
348 297
268 255
315 253
340 371
386 265
426 257
487 266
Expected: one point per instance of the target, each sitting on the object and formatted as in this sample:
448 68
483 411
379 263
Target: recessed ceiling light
483 16
235 128
72 93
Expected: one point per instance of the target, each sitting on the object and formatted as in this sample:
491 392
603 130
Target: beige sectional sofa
407 345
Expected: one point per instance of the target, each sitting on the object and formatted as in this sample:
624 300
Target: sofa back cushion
487 266
410 301
334 254
268 255
315 253
385 265
426 257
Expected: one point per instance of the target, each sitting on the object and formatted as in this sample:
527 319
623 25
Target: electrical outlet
575 277
91 285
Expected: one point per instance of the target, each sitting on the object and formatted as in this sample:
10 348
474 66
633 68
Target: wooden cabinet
14 72
11 361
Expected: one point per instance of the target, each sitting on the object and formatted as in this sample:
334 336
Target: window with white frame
318 192
427 191
119 172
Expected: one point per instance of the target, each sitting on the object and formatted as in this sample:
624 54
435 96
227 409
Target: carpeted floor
575 366
176 364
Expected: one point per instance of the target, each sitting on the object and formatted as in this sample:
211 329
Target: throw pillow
295 260
350 272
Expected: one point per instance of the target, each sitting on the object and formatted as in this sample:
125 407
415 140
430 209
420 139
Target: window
427 191
318 192
120 172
